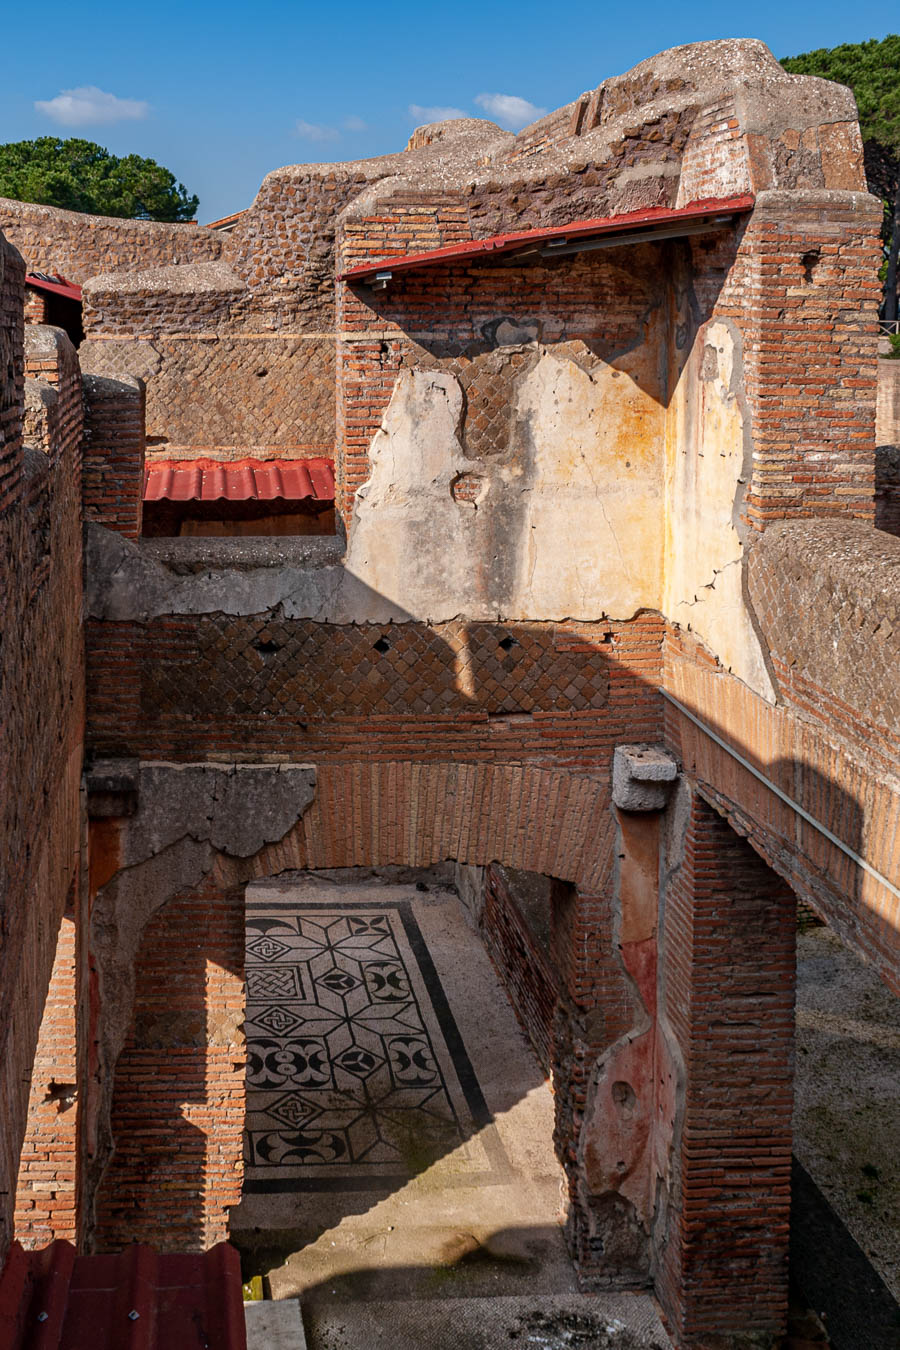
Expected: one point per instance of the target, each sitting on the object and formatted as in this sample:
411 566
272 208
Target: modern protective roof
629 227
40 281
56 1300
240 480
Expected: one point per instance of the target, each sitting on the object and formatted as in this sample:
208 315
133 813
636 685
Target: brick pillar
114 445
45 1194
727 995
810 324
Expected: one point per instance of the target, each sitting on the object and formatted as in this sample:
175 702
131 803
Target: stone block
642 777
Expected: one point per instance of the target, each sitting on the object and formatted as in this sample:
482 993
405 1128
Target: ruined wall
522 443
41 688
684 125
841 669
113 453
78 246
812 302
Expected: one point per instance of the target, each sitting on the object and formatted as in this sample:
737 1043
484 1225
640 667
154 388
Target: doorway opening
399 1127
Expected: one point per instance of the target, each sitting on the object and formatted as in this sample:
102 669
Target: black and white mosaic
357 1075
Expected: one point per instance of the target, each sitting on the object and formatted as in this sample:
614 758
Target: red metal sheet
209 480
580 229
60 287
55 1300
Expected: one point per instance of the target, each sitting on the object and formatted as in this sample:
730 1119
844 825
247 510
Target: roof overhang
210 480
632 227
59 286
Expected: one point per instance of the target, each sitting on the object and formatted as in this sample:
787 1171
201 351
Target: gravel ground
847 1094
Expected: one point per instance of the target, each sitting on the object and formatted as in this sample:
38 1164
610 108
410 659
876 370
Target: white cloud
355 124
509 110
90 106
312 131
422 115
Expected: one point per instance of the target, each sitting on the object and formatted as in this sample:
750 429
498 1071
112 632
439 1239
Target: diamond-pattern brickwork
246 392
309 670
489 386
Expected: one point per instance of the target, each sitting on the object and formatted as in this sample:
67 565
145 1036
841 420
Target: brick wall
53 422
178 1107
270 396
714 162
727 956
834 771
35 305
12 374
45 1192
41 689
515 926
79 246
265 687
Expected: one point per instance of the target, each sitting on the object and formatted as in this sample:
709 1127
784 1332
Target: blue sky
221 93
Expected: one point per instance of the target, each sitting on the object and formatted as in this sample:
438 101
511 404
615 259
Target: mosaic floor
358 1076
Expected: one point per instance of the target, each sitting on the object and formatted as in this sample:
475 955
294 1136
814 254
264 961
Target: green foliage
81 176
894 353
872 70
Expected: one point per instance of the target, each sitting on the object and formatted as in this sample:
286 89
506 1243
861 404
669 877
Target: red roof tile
208 480
629 222
56 1300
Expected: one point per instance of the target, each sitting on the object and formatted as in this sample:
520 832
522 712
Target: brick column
114 444
727 995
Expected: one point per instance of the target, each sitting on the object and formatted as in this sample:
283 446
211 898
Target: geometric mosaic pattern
356 1073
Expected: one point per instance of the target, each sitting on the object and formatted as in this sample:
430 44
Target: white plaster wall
609 499
707 446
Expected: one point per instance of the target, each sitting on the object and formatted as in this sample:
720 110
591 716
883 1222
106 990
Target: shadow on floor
835 1276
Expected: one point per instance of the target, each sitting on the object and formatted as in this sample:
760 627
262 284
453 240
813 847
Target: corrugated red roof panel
56 1300
624 224
58 287
241 480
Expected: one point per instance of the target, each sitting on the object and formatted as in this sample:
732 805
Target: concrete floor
359 1191
847 1094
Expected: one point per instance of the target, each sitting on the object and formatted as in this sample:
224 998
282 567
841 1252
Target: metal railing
889 326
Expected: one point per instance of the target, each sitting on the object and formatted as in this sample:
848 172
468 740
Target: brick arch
553 821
